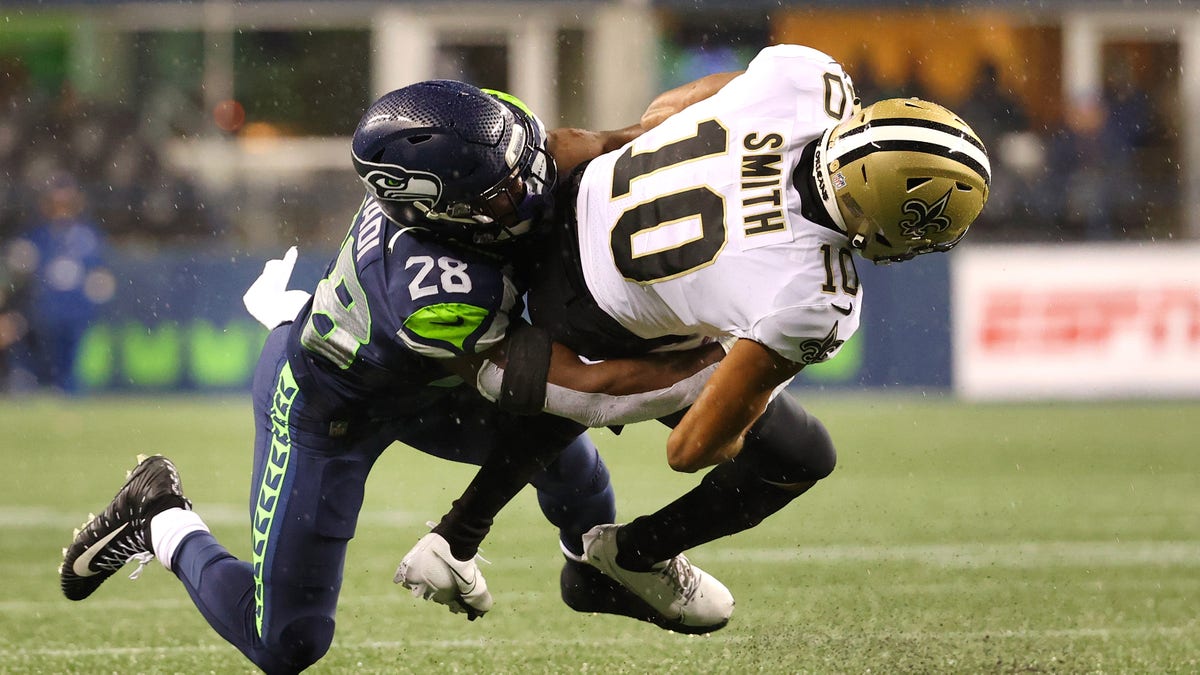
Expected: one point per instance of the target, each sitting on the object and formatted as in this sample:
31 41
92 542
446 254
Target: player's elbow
688 455
684 450
683 462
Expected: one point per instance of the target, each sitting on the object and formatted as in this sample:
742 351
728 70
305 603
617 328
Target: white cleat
675 588
430 571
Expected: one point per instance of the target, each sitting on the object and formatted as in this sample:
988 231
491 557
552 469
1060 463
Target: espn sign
1076 321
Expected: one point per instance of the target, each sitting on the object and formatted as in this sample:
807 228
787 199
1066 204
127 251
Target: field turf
951 538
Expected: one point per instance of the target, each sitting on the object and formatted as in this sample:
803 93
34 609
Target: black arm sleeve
523 446
523 389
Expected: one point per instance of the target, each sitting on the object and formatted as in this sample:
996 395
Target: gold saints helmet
902 177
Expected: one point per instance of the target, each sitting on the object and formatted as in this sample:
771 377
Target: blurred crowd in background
80 177
1100 168
113 151
1087 178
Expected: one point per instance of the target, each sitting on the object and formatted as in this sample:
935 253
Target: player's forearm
672 101
571 147
738 392
606 393
614 377
712 431
604 410
624 377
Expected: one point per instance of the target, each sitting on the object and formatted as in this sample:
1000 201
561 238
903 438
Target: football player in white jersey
737 218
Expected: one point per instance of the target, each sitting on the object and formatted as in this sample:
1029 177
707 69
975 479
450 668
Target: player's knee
575 493
303 641
790 446
578 472
820 455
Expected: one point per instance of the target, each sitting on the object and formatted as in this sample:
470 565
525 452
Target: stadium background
957 535
211 135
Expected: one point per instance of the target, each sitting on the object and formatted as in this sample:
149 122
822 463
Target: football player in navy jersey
377 355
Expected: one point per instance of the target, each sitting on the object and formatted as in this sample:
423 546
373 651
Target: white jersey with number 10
696 226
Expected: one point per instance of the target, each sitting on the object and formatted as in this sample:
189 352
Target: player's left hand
268 298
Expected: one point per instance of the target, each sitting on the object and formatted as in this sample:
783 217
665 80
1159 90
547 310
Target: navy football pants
307 490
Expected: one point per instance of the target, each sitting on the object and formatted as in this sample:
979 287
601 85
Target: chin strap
448 216
825 184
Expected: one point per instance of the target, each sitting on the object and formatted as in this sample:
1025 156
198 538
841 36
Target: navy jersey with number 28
391 304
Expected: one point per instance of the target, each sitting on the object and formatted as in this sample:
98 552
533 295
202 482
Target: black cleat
106 542
587 589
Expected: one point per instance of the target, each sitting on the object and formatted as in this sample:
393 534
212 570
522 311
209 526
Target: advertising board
1076 321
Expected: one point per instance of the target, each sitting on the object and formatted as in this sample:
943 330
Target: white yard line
19 517
965 554
1099 554
655 638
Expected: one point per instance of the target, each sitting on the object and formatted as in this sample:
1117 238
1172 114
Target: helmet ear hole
417 140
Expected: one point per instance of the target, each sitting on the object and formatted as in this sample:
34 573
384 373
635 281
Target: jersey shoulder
794 63
802 80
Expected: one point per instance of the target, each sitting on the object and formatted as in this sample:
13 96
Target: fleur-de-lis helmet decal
927 219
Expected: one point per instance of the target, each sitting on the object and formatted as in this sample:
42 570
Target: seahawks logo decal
816 350
926 219
394 183
397 184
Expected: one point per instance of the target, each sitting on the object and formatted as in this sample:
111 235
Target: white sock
567 552
167 530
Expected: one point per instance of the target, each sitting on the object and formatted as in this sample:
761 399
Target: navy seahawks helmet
461 162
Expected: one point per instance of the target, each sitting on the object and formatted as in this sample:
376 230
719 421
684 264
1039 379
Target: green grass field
951 538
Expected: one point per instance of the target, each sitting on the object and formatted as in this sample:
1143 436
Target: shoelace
682 577
142 559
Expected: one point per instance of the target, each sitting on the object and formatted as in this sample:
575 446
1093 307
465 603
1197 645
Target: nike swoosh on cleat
82 565
470 585
844 310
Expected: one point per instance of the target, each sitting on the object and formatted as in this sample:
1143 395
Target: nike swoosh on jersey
844 310
82 565
458 321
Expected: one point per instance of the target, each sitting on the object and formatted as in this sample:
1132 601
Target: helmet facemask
903 177
516 204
